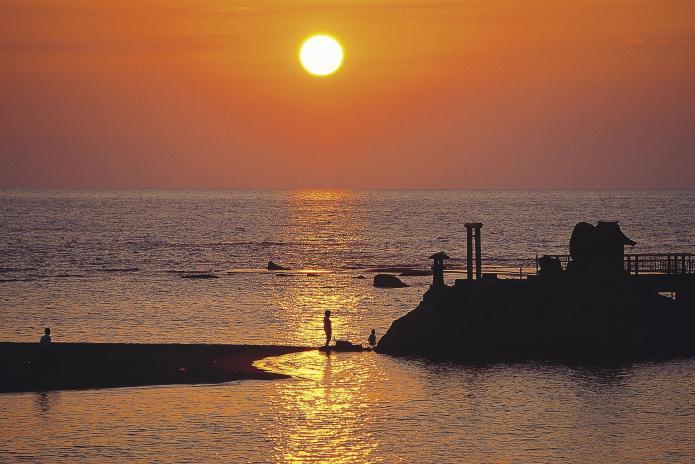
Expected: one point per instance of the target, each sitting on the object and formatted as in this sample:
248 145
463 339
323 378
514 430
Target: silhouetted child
372 338
45 348
327 327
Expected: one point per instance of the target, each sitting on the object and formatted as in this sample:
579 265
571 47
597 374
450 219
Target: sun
321 55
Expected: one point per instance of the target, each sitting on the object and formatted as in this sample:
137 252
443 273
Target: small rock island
595 304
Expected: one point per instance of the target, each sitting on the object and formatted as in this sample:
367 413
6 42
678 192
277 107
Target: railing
636 264
666 263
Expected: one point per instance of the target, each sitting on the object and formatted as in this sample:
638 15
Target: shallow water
106 266
364 407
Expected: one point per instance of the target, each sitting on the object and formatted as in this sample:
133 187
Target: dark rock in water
283 274
200 275
416 272
120 269
360 277
388 281
312 274
556 319
276 267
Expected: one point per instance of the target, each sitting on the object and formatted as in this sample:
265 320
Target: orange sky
433 93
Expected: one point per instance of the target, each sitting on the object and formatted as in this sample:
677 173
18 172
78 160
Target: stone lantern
438 268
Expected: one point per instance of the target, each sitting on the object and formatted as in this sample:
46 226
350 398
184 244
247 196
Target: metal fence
636 264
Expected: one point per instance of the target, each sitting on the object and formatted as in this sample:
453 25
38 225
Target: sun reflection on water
326 409
322 217
308 325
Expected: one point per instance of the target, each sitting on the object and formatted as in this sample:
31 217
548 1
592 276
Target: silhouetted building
438 268
598 249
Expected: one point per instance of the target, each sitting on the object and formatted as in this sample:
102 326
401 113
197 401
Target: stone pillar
473 232
469 253
478 267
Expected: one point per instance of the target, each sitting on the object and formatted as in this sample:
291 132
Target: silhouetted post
478 267
473 232
438 268
469 253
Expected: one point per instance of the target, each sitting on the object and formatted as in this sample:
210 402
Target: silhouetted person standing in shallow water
45 348
327 327
372 338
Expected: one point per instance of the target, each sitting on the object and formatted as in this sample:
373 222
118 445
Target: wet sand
104 365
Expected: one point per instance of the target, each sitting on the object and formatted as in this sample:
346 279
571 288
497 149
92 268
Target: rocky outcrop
560 319
388 281
276 267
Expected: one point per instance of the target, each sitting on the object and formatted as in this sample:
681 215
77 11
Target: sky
470 94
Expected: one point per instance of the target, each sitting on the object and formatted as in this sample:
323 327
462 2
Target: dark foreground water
106 266
363 407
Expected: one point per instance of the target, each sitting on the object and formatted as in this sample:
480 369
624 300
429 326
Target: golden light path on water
328 408
317 216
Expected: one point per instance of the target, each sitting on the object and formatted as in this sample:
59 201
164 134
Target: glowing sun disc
321 55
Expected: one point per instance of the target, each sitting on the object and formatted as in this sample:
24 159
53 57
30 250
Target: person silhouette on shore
372 338
45 348
327 327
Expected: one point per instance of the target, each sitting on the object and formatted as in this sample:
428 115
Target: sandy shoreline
106 365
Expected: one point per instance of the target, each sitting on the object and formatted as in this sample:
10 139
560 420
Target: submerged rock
416 272
561 319
388 281
391 269
199 275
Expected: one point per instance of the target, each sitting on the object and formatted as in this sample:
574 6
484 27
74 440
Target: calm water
106 266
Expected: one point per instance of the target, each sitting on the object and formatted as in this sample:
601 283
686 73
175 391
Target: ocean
110 266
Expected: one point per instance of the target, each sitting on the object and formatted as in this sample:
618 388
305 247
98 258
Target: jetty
662 272
595 303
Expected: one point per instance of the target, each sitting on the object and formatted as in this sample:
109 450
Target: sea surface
110 266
